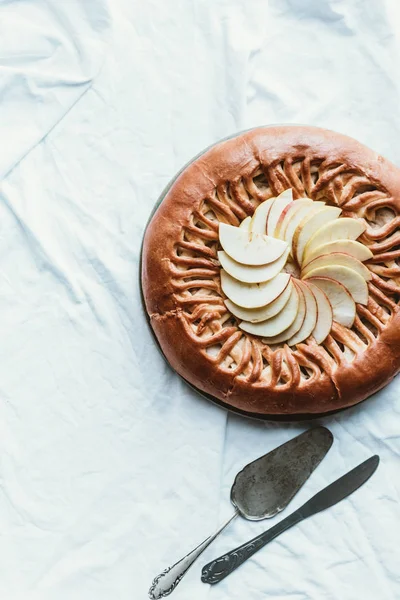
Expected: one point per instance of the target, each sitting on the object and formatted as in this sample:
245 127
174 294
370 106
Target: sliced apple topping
251 249
255 315
279 322
258 222
352 281
245 224
279 204
309 226
253 295
295 325
350 247
310 319
285 215
324 314
292 269
343 305
338 258
251 274
291 210
341 229
301 210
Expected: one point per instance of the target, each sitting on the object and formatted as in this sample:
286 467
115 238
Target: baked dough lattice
181 274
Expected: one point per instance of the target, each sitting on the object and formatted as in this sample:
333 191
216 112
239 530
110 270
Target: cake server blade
261 489
266 486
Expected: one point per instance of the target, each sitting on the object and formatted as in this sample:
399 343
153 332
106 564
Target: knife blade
341 488
221 567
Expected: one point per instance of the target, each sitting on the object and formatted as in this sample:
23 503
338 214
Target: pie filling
294 268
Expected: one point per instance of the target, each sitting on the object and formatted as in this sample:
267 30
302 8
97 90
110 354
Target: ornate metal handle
166 582
221 567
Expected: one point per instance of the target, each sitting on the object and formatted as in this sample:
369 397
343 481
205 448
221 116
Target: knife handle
221 567
165 583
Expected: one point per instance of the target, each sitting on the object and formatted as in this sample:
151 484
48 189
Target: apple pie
270 272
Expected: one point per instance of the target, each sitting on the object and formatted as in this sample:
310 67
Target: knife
221 567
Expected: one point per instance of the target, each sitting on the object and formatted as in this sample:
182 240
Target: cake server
221 567
261 490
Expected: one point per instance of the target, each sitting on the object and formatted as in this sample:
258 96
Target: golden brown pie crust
181 282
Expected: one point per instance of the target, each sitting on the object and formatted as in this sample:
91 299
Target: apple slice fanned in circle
343 305
245 224
280 321
277 208
323 325
301 210
309 226
258 222
350 247
255 315
345 228
310 319
283 217
253 295
271 337
252 274
351 280
338 258
302 206
249 248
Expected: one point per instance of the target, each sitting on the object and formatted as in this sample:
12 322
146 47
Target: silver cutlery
261 489
221 567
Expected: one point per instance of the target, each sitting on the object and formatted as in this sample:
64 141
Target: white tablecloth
110 467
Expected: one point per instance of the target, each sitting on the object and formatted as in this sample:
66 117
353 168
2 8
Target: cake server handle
166 582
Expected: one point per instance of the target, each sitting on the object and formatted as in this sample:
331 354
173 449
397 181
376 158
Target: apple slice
256 315
249 274
245 224
323 325
345 228
250 249
290 210
258 222
296 324
307 228
343 305
310 319
289 207
338 258
294 217
288 213
253 295
279 322
351 247
351 280
277 207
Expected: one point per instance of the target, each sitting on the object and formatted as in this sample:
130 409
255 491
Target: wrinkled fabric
111 468
50 51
